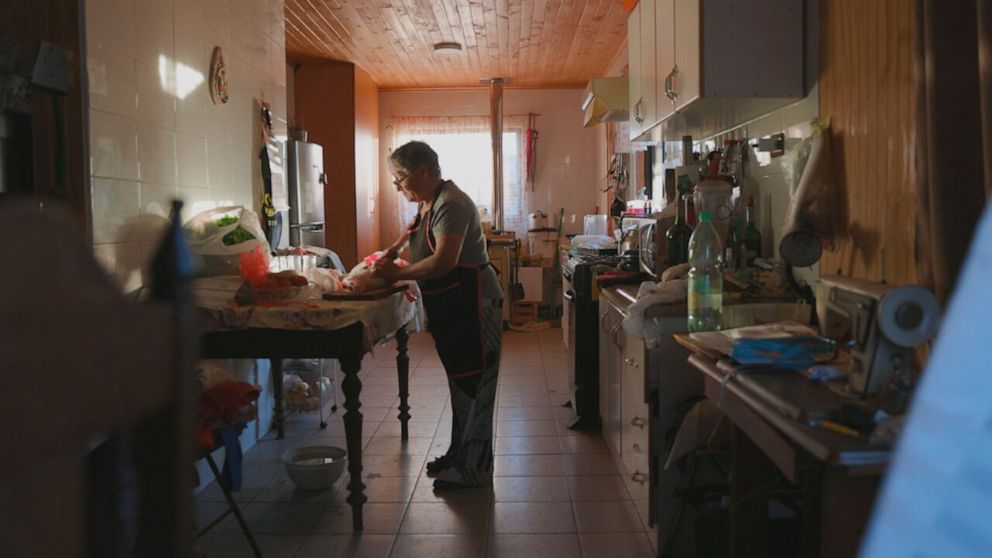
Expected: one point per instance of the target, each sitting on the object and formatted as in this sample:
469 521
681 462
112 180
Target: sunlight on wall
176 78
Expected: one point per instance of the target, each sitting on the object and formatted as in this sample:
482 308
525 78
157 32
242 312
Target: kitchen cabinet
337 103
641 392
623 404
717 64
642 67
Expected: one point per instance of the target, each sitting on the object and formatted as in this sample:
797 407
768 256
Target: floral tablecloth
380 318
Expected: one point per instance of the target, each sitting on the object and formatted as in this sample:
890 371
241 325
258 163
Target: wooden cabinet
337 103
715 64
642 67
623 406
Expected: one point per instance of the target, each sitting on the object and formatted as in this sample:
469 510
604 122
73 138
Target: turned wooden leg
352 388
403 374
279 413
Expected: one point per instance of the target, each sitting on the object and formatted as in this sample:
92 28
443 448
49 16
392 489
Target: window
465 155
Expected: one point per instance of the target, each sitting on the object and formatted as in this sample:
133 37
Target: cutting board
367 295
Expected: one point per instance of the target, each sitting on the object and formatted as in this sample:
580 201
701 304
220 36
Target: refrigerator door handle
309 227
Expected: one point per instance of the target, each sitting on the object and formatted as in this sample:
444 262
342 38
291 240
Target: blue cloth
230 476
794 353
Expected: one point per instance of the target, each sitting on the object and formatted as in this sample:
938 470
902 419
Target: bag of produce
219 235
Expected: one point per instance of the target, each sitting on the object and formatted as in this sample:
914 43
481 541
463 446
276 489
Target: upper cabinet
713 64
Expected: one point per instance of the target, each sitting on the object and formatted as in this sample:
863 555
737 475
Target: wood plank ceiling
535 43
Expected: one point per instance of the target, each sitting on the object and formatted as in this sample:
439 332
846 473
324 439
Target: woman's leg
472 458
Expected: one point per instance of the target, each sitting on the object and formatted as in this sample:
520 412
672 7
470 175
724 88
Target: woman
463 300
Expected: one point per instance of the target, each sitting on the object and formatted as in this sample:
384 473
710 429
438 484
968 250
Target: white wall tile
217 19
113 146
156 154
110 24
116 202
243 165
189 15
112 84
191 160
218 165
156 100
153 22
155 205
195 200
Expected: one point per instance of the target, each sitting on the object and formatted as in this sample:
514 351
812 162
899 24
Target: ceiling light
447 48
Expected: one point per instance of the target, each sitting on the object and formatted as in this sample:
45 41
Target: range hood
606 101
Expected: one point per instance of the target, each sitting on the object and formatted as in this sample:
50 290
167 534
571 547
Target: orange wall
867 88
338 104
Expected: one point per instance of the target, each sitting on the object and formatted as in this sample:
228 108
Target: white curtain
463 145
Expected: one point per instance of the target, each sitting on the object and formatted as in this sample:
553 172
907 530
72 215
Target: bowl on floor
315 467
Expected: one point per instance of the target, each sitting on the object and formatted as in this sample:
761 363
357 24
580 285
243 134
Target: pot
537 221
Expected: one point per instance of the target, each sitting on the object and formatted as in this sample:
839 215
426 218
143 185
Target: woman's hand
386 268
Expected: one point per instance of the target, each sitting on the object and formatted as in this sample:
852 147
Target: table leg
279 413
403 374
352 388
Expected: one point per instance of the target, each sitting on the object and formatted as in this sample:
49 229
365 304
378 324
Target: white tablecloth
380 318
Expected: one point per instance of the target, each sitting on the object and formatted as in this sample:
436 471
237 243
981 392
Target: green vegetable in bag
237 236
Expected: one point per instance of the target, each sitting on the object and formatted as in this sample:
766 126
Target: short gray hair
411 155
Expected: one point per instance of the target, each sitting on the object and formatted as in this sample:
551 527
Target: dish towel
649 294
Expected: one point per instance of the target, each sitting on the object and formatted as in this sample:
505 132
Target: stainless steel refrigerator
306 181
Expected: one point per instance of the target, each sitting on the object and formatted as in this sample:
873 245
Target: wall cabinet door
686 70
635 100
664 56
649 63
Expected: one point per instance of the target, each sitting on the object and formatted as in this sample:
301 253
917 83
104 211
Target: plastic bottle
705 277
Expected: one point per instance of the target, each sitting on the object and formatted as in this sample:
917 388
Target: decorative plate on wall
218 78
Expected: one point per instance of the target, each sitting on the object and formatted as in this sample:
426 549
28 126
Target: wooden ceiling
535 43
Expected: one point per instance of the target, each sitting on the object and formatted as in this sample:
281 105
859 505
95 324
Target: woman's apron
454 309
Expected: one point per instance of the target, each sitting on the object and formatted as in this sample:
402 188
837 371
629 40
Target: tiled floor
557 493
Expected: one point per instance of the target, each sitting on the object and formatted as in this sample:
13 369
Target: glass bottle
705 289
690 211
752 236
678 239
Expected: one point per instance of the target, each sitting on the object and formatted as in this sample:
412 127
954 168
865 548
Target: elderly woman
463 300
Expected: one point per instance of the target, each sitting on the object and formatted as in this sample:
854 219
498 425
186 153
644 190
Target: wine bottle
678 239
752 236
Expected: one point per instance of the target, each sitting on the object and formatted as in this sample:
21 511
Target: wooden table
771 411
348 345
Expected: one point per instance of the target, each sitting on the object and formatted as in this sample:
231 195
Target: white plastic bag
225 231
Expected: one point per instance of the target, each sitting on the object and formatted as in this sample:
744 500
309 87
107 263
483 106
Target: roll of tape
908 315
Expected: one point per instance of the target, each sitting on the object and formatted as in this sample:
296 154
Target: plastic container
595 225
715 196
705 277
315 467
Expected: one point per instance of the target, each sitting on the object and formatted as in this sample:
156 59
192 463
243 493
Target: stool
232 506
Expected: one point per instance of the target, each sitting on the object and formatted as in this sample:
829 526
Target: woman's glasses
399 183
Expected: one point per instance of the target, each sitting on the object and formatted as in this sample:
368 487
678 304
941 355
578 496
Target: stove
581 297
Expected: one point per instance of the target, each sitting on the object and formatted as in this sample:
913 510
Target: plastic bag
225 231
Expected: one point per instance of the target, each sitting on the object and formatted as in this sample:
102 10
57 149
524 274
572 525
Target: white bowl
315 467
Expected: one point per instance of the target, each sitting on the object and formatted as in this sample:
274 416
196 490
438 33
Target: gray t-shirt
456 214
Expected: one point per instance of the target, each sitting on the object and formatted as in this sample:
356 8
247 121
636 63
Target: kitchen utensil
315 467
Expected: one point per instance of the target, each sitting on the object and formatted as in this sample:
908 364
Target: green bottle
752 236
678 238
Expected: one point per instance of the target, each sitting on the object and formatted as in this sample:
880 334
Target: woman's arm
440 263
394 250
